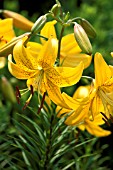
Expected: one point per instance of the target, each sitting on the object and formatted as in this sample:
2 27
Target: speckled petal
54 93
64 76
6 29
18 72
22 56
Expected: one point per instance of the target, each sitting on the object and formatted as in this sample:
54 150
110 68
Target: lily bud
19 21
8 48
38 25
88 28
7 90
82 39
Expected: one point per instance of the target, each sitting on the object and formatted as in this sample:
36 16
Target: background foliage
30 141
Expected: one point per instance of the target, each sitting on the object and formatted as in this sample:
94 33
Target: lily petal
34 48
18 72
69 45
22 57
72 103
54 93
102 70
48 30
65 76
78 116
72 60
6 29
96 130
48 54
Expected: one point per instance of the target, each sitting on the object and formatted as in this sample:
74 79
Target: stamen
17 98
18 95
103 114
18 92
32 92
42 102
111 118
106 121
27 102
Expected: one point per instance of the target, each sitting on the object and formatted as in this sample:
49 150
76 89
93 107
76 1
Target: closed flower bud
38 25
88 28
82 39
7 90
19 21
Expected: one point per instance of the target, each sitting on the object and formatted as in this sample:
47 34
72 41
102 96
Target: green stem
74 19
87 77
48 145
56 18
59 45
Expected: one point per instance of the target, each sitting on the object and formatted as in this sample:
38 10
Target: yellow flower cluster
90 106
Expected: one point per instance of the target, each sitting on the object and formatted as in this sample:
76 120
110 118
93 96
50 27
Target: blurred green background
99 14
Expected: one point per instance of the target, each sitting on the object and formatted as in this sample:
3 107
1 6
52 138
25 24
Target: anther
42 102
18 92
18 95
31 90
103 114
26 104
106 121
111 118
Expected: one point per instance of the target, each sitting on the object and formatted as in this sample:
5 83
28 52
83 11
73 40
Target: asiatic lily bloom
80 114
6 34
41 72
70 52
103 83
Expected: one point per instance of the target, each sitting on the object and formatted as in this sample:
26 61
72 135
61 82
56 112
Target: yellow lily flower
40 71
80 114
103 83
6 34
70 54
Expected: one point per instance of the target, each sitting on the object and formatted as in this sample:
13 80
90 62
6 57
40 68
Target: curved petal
72 60
72 103
65 76
96 130
34 48
48 30
69 45
22 56
78 116
6 29
54 93
102 70
62 111
48 54
18 72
